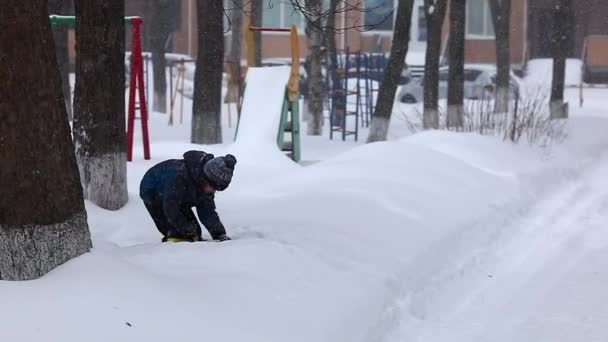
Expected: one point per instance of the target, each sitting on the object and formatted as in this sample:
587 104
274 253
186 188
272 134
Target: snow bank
390 241
373 212
320 253
534 276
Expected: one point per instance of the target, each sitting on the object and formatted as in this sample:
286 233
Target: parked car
378 74
479 84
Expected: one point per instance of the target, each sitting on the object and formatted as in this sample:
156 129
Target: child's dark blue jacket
177 186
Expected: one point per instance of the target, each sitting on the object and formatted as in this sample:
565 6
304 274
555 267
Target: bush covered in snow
528 119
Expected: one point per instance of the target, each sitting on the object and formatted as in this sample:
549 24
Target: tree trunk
43 222
456 59
329 41
160 31
501 16
305 89
257 16
330 54
435 15
560 44
330 30
99 102
60 35
207 106
235 55
396 62
315 75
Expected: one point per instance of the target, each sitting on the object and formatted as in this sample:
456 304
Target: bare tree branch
316 19
235 7
343 6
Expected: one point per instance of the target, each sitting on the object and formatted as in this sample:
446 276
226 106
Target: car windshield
470 75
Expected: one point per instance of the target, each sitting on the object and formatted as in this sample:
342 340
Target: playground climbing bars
136 84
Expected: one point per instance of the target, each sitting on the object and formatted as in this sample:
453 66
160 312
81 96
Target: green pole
62 20
70 19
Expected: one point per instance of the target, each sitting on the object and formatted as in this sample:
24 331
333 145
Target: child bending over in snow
173 187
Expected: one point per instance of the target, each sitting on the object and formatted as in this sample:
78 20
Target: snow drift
366 246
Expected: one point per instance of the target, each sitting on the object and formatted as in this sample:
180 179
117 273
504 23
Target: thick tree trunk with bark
207 106
235 55
561 28
501 16
43 222
315 75
456 59
396 61
60 35
160 31
257 16
99 102
435 15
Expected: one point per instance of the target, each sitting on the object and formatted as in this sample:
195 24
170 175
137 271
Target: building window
479 19
281 13
379 15
422 34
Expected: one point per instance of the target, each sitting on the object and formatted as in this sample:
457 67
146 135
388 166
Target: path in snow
539 281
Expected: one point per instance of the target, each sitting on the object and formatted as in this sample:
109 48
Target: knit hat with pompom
219 170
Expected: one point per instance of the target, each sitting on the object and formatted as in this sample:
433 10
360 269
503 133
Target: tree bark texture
42 215
160 30
561 27
60 35
30 251
315 75
235 54
330 53
207 106
99 102
455 117
257 16
330 30
329 41
435 15
501 16
396 62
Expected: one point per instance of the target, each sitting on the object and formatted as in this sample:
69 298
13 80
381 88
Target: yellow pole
249 41
294 77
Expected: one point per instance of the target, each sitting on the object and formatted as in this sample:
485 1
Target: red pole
131 114
137 80
142 93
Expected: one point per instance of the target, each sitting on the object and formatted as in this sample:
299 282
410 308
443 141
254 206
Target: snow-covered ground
436 236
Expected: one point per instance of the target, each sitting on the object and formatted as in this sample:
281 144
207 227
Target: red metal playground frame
136 82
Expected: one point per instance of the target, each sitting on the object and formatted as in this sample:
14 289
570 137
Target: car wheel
408 98
488 92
